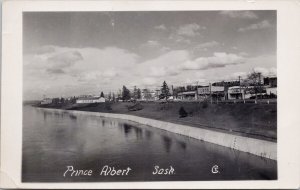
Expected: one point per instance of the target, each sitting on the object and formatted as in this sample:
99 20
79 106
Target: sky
77 53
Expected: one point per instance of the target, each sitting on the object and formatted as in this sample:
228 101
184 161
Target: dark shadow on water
45 116
103 122
167 141
127 129
148 134
182 144
138 132
73 117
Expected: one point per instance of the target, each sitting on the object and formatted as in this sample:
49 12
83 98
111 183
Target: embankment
250 120
254 146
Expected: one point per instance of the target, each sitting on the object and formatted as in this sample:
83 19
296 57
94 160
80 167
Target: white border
288 57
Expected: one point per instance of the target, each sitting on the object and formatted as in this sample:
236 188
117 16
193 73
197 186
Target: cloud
244 74
161 27
244 54
98 76
185 33
179 39
163 65
239 14
236 75
151 44
219 59
64 59
149 81
266 71
55 71
91 69
45 49
261 25
190 30
206 45
152 48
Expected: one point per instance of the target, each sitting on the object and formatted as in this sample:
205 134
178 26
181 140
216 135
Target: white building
236 92
190 95
271 90
46 101
90 100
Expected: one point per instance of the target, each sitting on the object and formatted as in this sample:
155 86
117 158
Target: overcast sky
74 53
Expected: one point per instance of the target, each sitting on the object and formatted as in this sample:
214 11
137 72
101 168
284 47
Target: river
52 141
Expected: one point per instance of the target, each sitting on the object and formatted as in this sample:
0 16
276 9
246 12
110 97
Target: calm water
52 141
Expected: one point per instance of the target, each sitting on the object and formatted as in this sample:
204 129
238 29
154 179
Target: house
236 92
270 81
147 94
270 84
157 94
217 93
271 91
189 95
90 100
203 92
46 101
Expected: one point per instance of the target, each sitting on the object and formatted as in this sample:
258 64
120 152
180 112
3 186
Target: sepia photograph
125 96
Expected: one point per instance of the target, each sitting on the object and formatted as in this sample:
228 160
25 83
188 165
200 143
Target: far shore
250 120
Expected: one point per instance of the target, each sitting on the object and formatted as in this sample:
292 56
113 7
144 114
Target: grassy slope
253 120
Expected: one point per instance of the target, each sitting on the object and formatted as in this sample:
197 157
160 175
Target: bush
137 106
182 112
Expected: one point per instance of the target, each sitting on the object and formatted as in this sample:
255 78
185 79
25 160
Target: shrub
137 106
182 112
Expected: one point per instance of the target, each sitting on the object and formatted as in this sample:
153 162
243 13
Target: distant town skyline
75 53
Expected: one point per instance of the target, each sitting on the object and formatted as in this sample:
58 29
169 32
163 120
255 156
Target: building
217 93
203 92
157 94
270 81
270 84
148 95
90 100
236 92
46 101
189 95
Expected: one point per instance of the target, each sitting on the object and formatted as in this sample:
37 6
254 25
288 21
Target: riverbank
262 148
257 121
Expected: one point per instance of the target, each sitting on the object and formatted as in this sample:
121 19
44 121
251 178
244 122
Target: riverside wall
254 146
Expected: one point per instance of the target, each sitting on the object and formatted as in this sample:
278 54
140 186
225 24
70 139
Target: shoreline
258 147
257 121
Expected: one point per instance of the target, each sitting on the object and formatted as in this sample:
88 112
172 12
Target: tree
135 93
102 95
165 92
113 97
139 93
109 96
125 94
182 112
253 83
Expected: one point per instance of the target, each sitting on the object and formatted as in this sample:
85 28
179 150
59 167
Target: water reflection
182 144
167 142
148 134
73 117
138 132
127 129
52 140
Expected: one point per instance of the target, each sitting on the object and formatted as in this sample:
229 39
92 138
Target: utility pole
240 87
259 83
210 93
